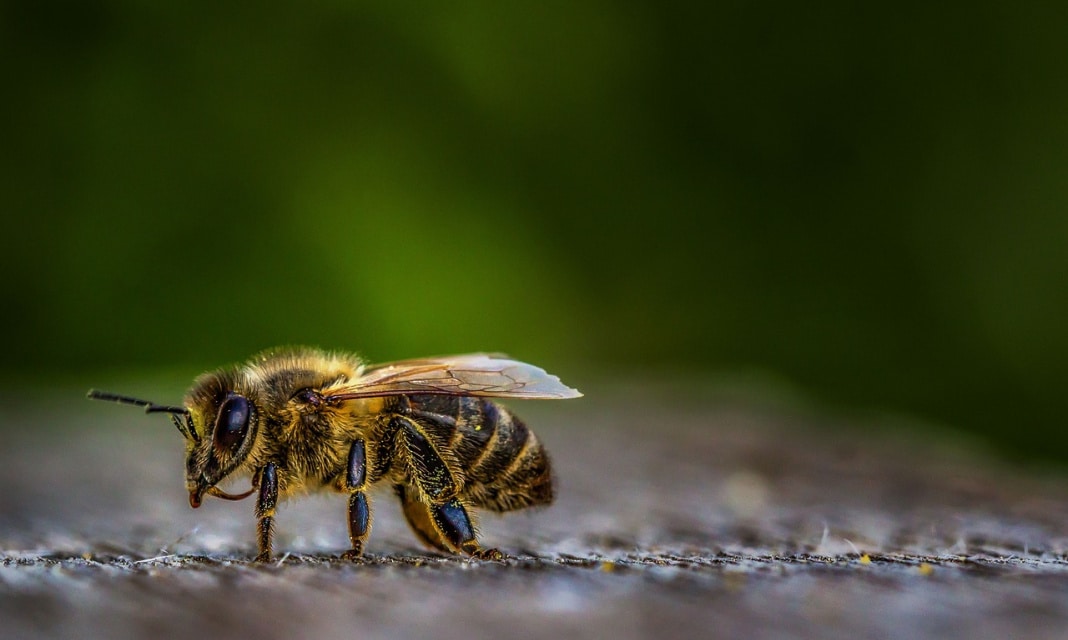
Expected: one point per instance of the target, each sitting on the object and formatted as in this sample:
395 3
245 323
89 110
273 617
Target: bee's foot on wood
488 554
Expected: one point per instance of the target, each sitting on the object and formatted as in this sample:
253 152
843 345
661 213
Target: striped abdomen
503 464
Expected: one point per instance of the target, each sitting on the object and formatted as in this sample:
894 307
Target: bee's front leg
265 505
359 507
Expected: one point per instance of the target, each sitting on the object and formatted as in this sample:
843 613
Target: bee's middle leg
359 507
431 506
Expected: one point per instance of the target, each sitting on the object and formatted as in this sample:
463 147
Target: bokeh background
864 203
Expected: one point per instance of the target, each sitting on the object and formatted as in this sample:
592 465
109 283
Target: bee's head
219 423
224 421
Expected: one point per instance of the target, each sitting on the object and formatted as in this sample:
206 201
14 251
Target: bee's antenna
151 407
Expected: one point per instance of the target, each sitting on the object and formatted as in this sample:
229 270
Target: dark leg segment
429 471
446 527
265 505
359 508
455 524
357 467
359 523
430 501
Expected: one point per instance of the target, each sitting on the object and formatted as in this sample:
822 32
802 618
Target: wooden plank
719 521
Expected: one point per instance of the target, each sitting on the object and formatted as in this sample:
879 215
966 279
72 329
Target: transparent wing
473 374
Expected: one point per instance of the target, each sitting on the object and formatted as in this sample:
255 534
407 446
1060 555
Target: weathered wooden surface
713 521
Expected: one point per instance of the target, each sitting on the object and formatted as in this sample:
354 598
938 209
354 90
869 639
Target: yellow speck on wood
608 566
925 569
865 559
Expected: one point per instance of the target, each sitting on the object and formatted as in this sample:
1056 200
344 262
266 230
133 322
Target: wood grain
713 519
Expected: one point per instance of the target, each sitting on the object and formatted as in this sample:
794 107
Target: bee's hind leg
419 520
430 504
446 527
359 507
452 520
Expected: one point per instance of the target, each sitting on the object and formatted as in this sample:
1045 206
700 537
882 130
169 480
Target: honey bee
300 419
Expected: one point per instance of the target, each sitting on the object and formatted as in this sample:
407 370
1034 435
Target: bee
294 420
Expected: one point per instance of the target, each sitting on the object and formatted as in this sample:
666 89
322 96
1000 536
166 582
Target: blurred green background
864 201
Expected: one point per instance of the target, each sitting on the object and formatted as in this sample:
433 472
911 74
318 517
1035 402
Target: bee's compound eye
232 423
308 396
